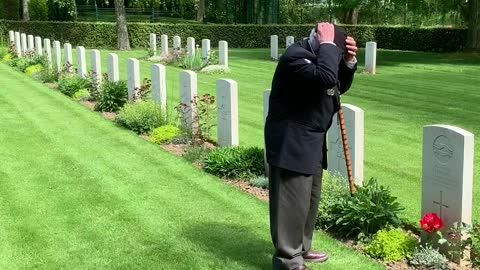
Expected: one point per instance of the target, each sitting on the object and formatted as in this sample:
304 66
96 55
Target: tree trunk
26 15
351 16
123 42
201 10
473 39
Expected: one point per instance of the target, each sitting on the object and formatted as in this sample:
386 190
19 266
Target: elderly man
309 78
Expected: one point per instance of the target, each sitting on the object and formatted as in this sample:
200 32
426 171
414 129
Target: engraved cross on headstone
441 204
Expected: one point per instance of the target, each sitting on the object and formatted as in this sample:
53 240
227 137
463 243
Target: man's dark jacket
301 106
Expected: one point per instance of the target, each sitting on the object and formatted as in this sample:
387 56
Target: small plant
112 97
428 258
235 162
261 182
3 52
165 134
194 61
49 75
6 58
215 69
33 70
70 85
94 84
371 209
81 95
391 245
141 117
333 187
196 154
142 92
203 121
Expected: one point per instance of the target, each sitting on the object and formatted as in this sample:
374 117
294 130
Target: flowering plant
431 223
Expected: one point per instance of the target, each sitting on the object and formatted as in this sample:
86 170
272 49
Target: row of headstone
274 45
191 47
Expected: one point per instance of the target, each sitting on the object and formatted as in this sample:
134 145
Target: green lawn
411 89
77 192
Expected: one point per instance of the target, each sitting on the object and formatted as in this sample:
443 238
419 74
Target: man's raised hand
325 32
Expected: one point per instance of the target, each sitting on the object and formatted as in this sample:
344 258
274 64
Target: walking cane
343 130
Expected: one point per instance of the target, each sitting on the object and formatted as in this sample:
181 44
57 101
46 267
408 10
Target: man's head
339 39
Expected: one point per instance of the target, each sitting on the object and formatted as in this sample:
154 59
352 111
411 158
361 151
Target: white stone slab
164 41
159 87
113 73
223 53
274 47
133 75
81 62
188 90
371 57
227 112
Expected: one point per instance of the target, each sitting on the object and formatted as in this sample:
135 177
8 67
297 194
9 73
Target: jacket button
331 92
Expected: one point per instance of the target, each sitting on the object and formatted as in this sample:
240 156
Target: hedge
103 35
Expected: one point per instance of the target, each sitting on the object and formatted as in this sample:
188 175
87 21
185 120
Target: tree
473 40
26 16
201 10
123 42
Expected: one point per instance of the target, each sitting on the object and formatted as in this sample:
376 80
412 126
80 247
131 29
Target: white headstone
31 43
227 112
24 43
113 74
38 46
289 41
11 35
67 47
18 44
223 53
177 43
133 75
266 99
47 48
354 123
371 57
447 174
96 66
205 48
274 47
164 40
81 62
190 46
188 90
153 44
57 56
159 87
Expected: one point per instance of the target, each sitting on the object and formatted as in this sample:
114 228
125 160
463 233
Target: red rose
431 223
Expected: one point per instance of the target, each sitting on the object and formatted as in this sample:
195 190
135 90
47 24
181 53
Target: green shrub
475 236
261 182
140 117
391 245
49 75
81 95
103 35
371 209
6 58
3 52
235 162
333 187
428 258
112 97
23 63
196 154
70 85
32 70
165 133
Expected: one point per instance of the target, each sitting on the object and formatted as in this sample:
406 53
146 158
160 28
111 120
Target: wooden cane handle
343 130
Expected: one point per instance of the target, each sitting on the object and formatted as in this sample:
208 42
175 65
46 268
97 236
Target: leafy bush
391 245
81 95
32 70
235 162
49 75
113 96
215 69
165 133
333 187
6 58
23 63
140 117
243 36
70 85
475 236
371 209
428 258
3 52
38 10
261 182
196 154
194 62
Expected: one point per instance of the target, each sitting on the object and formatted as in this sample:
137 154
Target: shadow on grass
232 242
